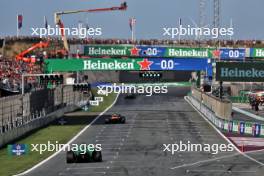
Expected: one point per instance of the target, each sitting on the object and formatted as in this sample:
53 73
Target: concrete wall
14 123
222 108
15 133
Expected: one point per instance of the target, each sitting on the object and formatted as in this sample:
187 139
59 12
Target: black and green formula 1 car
80 156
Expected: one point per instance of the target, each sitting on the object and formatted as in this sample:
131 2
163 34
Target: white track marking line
205 161
123 161
111 148
68 143
110 137
115 133
221 171
112 140
88 167
219 132
86 173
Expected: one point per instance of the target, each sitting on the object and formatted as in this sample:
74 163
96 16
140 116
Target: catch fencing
19 110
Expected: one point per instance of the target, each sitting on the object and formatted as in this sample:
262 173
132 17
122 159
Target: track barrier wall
21 114
228 126
222 108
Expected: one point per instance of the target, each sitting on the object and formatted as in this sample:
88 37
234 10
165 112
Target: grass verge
11 165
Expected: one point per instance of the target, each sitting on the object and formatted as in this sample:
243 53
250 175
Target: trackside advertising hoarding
146 51
174 52
232 54
109 50
136 64
257 52
240 71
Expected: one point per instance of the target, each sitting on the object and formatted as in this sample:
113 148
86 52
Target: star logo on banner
145 64
216 53
134 51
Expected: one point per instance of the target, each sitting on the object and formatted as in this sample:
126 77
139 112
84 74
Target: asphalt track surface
136 148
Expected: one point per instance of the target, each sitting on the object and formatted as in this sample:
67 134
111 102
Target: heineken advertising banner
136 64
147 51
257 52
232 54
188 52
153 51
109 50
240 71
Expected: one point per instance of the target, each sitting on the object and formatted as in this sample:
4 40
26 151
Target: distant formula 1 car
130 96
115 118
80 156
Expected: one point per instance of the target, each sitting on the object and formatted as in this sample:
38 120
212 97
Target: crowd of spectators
182 42
11 71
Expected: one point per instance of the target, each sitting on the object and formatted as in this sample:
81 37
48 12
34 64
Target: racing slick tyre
123 120
70 157
97 156
107 120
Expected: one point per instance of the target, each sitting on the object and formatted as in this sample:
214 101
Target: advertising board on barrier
151 51
257 52
146 51
241 127
166 51
132 64
107 50
230 126
235 54
256 129
188 52
240 71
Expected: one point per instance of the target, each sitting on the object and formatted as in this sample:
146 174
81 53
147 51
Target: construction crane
21 56
57 17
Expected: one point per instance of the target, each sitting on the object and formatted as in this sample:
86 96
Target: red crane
58 21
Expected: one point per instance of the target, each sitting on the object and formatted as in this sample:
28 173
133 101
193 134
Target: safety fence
18 110
230 126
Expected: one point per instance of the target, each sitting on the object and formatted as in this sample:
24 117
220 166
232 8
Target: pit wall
221 108
228 126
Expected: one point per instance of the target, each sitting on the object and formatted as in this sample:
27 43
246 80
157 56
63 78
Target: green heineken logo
188 52
108 64
117 51
259 52
240 71
111 50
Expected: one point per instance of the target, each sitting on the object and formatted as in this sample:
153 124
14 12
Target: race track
136 148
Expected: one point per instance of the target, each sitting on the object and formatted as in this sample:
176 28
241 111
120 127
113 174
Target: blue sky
151 16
